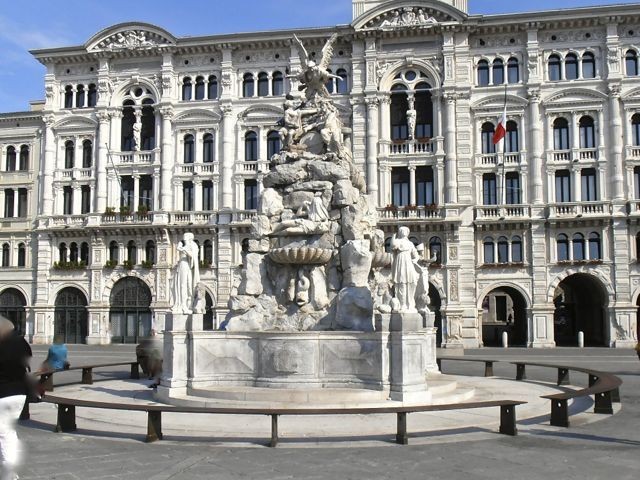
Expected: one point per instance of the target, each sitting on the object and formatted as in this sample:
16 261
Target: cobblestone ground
603 450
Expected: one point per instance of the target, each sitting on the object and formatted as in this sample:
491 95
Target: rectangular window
636 181
86 199
9 198
587 137
187 196
400 186
67 200
207 195
146 192
489 189
561 138
425 194
126 199
589 185
23 202
250 195
512 186
563 186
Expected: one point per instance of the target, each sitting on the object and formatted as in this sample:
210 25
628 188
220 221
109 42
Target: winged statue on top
314 76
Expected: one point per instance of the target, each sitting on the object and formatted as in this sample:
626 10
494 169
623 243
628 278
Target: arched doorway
70 324
580 304
130 313
435 303
504 309
12 307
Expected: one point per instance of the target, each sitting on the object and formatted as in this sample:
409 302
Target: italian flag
501 129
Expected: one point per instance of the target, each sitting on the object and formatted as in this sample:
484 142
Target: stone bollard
505 340
580 339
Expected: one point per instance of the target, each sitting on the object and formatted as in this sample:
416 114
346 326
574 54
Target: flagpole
115 170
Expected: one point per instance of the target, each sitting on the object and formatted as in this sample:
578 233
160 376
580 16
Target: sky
34 24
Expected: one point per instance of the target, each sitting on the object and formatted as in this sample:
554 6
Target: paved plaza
602 449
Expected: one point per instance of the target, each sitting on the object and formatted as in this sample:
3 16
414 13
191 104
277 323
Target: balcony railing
192 218
67 221
392 213
417 146
502 212
587 154
197 168
510 158
259 166
244 216
74 173
633 151
143 157
579 209
561 155
113 218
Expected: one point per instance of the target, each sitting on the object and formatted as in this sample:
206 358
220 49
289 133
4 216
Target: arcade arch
70 316
504 309
13 307
130 313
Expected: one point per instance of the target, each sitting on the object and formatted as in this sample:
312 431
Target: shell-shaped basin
301 255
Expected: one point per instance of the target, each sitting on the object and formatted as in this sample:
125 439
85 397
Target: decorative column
77 197
227 156
372 145
576 189
49 166
575 137
197 202
438 184
136 193
450 150
412 185
536 136
167 160
615 122
102 161
156 191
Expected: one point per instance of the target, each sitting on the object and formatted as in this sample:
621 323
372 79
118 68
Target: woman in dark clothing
15 354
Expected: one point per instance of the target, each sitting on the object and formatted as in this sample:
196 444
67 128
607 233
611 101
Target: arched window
399 107
132 252
342 85
571 66
251 146
11 159
424 111
207 148
248 88
273 143
563 186
498 71
69 154
330 83
208 252
63 253
212 87
483 73
189 149
277 83
489 254
587 133
150 252
595 249
263 84
588 65
555 68
126 129
511 143
22 255
561 134
631 63
200 88
563 247
68 96
503 250
635 129
73 252
24 158
80 96
488 129
435 249
84 253
5 255
516 250
114 252
578 247
148 130
186 88
87 153
513 70
92 98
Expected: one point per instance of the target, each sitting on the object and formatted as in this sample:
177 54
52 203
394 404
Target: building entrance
130 314
13 307
70 324
504 310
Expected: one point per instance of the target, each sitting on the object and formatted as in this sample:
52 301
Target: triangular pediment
415 14
130 36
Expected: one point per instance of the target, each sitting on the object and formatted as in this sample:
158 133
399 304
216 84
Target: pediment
75 123
262 114
199 116
496 102
395 15
575 96
130 36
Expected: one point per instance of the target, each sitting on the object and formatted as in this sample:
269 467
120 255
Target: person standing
15 354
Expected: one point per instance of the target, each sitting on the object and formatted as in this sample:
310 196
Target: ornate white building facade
144 136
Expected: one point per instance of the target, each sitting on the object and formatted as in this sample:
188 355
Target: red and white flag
501 129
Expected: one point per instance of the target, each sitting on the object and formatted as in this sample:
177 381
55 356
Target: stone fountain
314 309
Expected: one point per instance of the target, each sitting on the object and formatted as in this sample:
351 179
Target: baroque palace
143 136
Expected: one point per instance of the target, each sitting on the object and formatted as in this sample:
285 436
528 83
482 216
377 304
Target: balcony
633 152
511 158
561 155
66 221
586 154
260 166
634 207
74 173
136 158
128 218
197 169
582 209
503 212
243 216
392 214
192 218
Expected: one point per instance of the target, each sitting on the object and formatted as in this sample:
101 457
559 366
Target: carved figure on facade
130 40
186 275
200 299
407 17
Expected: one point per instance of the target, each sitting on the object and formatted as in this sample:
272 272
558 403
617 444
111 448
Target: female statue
186 275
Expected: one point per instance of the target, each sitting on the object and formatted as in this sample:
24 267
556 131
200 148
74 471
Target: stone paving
605 449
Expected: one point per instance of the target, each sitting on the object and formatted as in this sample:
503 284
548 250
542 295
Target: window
150 252
425 194
87 154
424 111
186 88
80 96
84 253
587 133
595 249
578 247
9 199
132 252
146 192
342 85
250 195
207 148
207 195
251 146
488 130
555 68
277 84
589 185
67 200
400 186
126 198
511 144
588 65
68 96
5 255
22 255
512 186
263 84
435 249
200 88
513 70
114 252
631 63
561 134
563 247
189 149
86 199
73 252
273 144
11 159
571 66
503 250
489 189
489 254
399 107
208 252
636 178
563 186
248 85
23 197
498 72
635 129
63 253
24 158
187 196
69 154
483 73
148 130
212 87
516 250
330 83
92 98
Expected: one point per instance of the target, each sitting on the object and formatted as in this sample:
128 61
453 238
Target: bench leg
154 426
521 372
488 369
87 376
25 414
439 362
603 403
559 413
66 418
274 431
508 420
615 395
592 380
135 371
401 435
47 382
563 376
